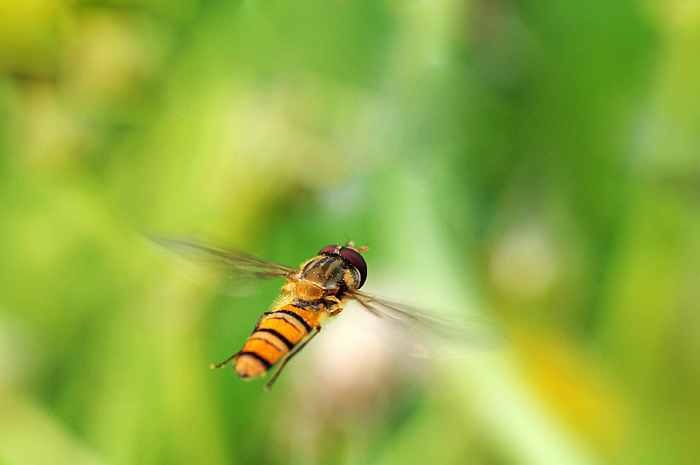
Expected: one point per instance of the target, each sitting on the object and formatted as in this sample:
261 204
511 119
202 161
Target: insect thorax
324 275
324 271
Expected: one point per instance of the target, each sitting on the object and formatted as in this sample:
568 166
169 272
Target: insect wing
227 272
433 333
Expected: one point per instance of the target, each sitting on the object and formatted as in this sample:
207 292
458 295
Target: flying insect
315 292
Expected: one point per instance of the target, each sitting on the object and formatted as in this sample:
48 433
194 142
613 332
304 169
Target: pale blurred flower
523 262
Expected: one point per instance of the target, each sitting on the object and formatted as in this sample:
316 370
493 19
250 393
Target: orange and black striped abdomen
276 334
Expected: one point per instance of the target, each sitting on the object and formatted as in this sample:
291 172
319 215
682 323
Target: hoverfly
313 293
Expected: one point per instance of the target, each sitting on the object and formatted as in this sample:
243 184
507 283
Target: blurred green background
534 163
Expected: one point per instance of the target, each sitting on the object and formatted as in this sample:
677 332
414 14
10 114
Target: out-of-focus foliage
534 163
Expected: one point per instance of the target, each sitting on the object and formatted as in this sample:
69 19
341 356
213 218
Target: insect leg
288 357
336 305
235 356
214 366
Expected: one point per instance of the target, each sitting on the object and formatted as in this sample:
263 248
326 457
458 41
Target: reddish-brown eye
357 261
352 256
328 249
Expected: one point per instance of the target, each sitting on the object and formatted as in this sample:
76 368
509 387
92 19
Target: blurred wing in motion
433 333
227 272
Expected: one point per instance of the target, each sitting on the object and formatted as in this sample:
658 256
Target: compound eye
356 259
328 249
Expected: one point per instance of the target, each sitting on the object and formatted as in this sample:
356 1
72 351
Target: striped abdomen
274 337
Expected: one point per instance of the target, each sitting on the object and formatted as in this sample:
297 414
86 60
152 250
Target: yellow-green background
535 163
